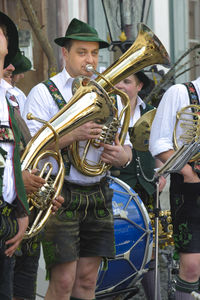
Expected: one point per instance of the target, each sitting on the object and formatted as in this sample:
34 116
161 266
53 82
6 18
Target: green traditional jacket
133 174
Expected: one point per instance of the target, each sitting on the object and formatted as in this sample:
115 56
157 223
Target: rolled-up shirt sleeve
161 135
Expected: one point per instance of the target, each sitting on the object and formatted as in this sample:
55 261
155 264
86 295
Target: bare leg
189 266
61 282
189 274
86 277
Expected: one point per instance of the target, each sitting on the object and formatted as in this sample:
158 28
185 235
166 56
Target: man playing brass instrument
82 232
24 276
184 187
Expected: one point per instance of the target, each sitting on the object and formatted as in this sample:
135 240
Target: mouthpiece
89 68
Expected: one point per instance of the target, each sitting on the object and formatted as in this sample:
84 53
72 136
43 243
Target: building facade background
175 22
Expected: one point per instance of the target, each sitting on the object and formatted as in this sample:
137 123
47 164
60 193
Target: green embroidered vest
133 174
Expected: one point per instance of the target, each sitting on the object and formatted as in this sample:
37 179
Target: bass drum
133 241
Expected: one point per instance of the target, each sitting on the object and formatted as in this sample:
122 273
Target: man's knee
86 282
190 271
61 285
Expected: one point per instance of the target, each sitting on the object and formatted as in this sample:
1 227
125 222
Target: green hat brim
13 39
61 41
21 63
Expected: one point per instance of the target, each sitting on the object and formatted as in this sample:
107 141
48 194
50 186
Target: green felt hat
143 78
21 63
78 30
13 39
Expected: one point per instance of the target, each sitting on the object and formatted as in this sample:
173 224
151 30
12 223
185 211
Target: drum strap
60 101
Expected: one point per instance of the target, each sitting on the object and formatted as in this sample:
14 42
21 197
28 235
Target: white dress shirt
174 99
8 192
137 113
41 104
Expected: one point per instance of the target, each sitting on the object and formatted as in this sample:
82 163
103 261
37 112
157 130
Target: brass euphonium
89 103
146 50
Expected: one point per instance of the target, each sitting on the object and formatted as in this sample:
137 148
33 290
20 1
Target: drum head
133 241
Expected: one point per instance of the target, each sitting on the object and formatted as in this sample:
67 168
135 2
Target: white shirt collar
9 88
67 79
140 102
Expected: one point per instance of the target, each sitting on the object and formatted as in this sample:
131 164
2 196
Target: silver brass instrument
145 51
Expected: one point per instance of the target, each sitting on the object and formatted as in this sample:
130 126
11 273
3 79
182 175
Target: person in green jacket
142 166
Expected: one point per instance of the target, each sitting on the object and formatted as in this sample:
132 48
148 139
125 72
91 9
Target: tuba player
77 238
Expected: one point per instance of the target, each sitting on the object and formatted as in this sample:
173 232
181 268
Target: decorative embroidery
6 134
101 210
55 93
2 166
58 98
183 237
192 93
194 99
50 254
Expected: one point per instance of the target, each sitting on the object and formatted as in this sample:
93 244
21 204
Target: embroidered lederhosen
184 203
58 98
85 208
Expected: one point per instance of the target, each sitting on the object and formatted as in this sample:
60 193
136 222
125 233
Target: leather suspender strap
21 193
58 98
194 99
55 93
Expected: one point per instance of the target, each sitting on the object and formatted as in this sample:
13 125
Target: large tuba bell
145 51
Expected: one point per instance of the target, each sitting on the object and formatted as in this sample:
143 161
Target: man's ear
64 52
140 86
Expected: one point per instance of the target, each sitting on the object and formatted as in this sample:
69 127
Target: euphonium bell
146 50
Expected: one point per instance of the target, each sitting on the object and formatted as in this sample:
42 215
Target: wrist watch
126 164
